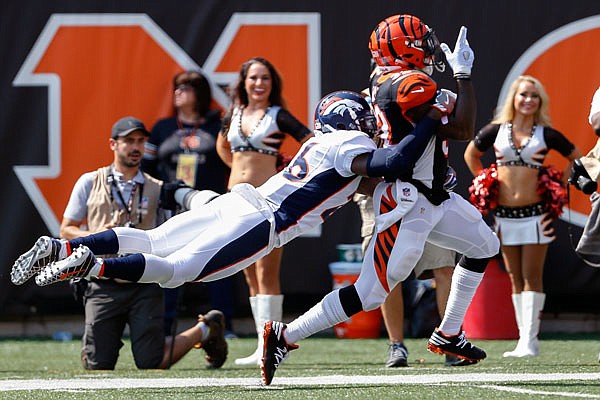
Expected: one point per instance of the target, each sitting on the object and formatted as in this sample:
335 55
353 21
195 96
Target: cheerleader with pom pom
523 194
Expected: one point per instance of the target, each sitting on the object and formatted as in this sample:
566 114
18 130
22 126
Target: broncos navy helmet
345 110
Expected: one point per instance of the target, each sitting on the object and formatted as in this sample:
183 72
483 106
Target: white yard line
541 392
117 383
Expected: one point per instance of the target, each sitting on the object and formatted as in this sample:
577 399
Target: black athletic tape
350 301
474 264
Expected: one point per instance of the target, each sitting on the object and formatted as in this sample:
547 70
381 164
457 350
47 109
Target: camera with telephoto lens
581 179
167 194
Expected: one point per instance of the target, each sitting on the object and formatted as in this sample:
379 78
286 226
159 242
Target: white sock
462 290
205 329
325 314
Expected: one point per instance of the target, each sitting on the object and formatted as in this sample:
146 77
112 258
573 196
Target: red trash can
491 314
363 325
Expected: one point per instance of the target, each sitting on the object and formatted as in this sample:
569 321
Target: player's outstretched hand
461 59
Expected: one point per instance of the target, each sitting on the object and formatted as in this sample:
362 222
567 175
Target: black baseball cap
126 125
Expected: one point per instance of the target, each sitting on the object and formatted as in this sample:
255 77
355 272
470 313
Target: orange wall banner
101 68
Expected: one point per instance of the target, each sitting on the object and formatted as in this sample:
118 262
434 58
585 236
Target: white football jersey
316 183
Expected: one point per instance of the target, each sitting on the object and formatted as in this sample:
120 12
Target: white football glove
461 59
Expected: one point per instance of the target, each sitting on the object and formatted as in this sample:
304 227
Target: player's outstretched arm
396 160
461 125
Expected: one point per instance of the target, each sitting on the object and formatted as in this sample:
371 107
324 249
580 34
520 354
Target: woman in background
183 147
522 135
253 132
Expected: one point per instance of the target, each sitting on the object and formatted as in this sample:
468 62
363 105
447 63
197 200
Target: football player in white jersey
235 229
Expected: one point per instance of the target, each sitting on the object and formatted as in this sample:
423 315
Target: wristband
462 76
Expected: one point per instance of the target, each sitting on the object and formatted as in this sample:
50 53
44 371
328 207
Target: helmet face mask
367 124
344 110
404 40
434 56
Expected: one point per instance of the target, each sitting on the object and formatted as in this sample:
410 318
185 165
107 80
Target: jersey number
382 124
298 167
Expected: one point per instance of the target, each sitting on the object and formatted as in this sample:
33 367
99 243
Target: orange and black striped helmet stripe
394 37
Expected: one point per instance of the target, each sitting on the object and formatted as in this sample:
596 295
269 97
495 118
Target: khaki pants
109 306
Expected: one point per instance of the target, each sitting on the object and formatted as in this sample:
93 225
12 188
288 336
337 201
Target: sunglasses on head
183 87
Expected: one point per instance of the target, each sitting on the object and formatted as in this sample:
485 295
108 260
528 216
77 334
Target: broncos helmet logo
344 110
343 106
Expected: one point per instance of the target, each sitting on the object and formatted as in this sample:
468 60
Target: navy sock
105 242
129 268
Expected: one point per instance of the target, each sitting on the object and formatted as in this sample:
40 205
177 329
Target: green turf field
323 368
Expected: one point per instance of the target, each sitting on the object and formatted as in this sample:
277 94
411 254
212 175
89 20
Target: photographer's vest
104 208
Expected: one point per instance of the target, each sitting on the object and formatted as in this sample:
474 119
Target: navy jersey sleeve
393 162
289 124
486 137
557 141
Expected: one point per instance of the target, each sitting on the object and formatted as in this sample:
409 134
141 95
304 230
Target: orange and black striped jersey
394 91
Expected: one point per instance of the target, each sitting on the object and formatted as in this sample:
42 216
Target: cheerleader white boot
267 308
532 305
516 300
251 359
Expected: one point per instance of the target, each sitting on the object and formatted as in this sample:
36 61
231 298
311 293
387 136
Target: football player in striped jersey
412 206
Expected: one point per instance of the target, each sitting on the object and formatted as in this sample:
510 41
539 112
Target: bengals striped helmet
404 40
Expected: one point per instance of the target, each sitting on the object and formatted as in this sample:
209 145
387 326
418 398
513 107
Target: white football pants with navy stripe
208 243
